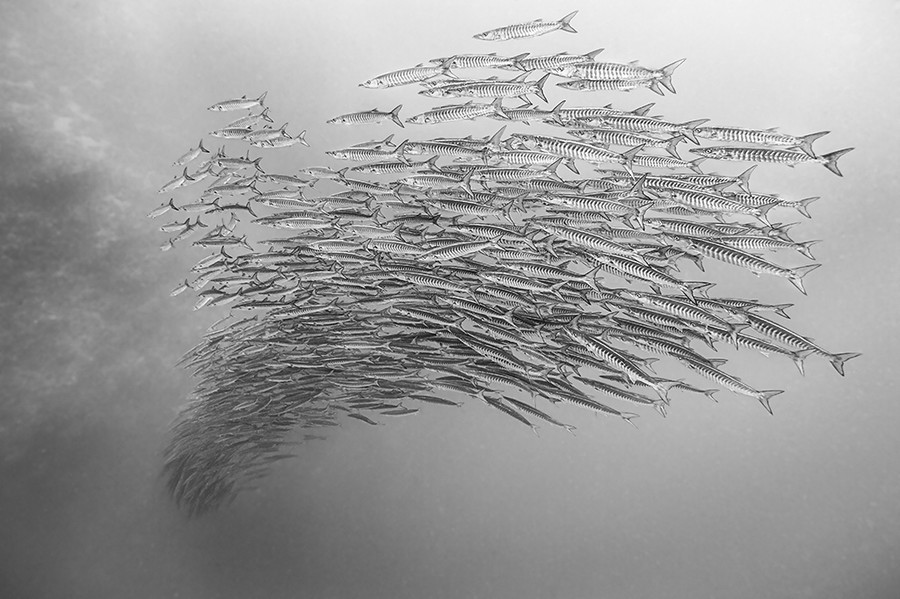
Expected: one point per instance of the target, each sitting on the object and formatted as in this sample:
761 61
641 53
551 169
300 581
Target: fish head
712 152
487 35
375 83
434 92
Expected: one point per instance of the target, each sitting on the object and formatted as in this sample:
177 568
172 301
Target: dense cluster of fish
471 267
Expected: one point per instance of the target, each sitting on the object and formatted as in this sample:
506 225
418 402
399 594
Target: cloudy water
98 98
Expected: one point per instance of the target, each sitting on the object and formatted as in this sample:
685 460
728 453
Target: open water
97 98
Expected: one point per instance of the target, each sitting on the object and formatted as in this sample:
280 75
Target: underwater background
97 98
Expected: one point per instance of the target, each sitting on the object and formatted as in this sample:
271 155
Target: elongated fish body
627 139
578 115
525 115
266 134
670 162
405 76
458 112
480 61
251 120
763 242
712 202
241 103
489 89
604 70
191 154
614 85
646 125
283 141
733 383
768 155
522 158
556 61
529 29
753 263
386 168
363 154
368 117
765 137
179 181
231 133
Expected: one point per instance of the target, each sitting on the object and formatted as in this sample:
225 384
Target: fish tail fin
796 275
765 396
555 113
628 157
564 22
803 248
654 87
672 145
801 205
539 86
687 129
807 140
400 151
507 209
592 55
689 287
734 329
799 356
694 165
518 57
201 148
550 169
395 115
302 138
779 309
256 164
643 110
431 163
831 160
666 78
590 278
262 98
662 388
710 393
497 105
494 141
838 360
508 316
628 417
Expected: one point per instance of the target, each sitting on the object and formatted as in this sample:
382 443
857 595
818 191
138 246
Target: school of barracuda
472 268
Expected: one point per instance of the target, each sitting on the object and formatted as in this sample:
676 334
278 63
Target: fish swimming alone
529 29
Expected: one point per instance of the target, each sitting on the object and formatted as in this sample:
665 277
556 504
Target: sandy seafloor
97 98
